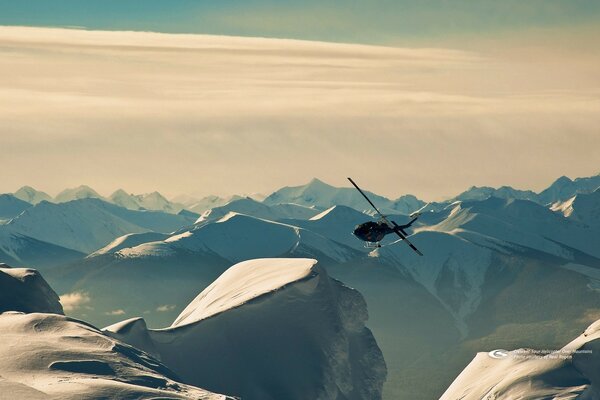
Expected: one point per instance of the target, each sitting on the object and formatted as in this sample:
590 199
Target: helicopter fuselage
372 231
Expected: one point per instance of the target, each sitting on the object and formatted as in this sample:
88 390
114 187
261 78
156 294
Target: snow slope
130 240
88 224
520 224
584 208
564 188
11 206
270 329
44 355
453 270
17 249
24 290
31 195
572 372
49 356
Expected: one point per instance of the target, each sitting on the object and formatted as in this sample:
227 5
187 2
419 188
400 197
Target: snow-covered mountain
210 202
253 238
321 195
567 373
584 208
31 195
485 259
78 193
267 329
270 329
503 192
519 224
148 201
11 206
254 208
564 188
88 224
20 250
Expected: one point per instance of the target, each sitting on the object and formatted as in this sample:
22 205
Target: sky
426 97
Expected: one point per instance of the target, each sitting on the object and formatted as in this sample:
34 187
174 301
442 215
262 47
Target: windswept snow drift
569 373
45 355
270 329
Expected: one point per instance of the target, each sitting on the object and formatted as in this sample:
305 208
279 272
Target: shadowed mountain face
495 270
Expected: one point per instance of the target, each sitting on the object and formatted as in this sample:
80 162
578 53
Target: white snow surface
243 282
129 240
50 356
572 372
270 329
520 224
81 225
89 224
251 238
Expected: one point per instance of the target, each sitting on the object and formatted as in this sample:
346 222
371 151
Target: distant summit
31 195
78 193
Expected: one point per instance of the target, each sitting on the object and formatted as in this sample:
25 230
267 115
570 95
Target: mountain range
499 264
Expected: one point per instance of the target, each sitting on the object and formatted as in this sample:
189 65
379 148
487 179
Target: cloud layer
210 114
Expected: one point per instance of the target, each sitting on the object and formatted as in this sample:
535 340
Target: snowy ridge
252 207
243 282
253 238
521 224
129 240
44 356
271 329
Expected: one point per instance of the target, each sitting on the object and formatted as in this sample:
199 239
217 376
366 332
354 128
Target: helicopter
372 232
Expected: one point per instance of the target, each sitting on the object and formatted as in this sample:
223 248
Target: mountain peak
79 192
31 195
316 182
118 193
